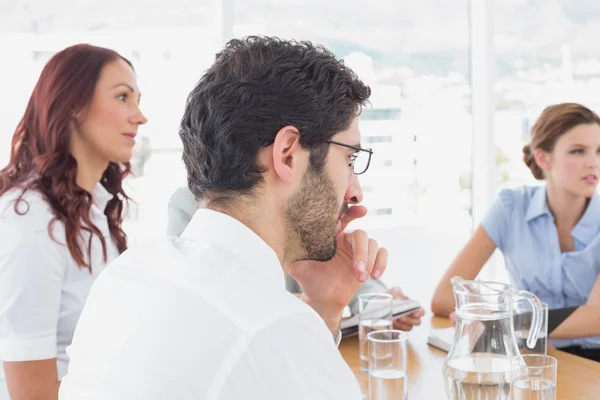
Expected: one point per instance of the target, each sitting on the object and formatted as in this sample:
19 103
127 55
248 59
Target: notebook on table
400 308
441 338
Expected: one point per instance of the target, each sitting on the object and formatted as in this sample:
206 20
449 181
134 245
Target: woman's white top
42 290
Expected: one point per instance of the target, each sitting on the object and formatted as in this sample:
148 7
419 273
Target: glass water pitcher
478 366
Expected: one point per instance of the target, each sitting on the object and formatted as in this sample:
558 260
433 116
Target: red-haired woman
61 203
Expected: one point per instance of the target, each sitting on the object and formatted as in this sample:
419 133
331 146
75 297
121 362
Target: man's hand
329 286
407 322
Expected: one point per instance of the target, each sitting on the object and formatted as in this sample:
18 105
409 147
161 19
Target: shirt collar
538 205
230 235
101 196
587 227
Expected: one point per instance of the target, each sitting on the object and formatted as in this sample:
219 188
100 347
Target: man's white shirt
206 316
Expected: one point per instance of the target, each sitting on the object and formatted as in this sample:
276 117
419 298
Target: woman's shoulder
518 199
28 236
24 209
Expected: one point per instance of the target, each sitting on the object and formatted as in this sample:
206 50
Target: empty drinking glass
388 369
375 314
533 377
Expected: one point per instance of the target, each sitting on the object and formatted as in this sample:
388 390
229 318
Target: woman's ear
543 159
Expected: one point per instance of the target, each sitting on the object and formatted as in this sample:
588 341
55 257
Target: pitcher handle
538 310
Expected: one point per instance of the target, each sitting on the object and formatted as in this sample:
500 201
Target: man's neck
261 217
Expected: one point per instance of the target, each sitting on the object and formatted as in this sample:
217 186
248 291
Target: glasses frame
349 146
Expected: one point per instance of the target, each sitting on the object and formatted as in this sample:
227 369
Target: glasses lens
361 163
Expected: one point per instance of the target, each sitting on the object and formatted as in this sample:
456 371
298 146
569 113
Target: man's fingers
360 253
373 248
380 263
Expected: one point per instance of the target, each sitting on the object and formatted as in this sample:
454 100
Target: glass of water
533 377
522 322
388 366
374 314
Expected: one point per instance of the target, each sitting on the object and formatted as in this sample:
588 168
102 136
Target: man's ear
286 153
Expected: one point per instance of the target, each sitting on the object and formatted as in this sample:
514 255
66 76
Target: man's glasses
360 160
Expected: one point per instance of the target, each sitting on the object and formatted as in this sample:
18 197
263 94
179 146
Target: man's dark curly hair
257 86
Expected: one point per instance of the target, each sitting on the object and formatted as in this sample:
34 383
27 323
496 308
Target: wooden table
578 378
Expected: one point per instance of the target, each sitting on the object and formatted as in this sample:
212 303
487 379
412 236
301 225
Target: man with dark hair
272 150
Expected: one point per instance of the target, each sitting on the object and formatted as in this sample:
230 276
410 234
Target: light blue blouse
522 227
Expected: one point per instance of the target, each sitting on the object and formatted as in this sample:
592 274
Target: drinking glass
375 314
388 368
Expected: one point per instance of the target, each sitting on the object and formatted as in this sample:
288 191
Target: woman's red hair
40 159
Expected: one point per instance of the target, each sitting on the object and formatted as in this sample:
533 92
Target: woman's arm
467 265
32 380
32 273
585 321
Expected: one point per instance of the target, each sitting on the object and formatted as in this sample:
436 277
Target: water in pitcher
387 384
533 388
478 376
367 326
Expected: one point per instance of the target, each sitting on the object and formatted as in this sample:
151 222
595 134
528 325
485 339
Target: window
42 56
539 63
377 139
420 107
380 114
382 211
